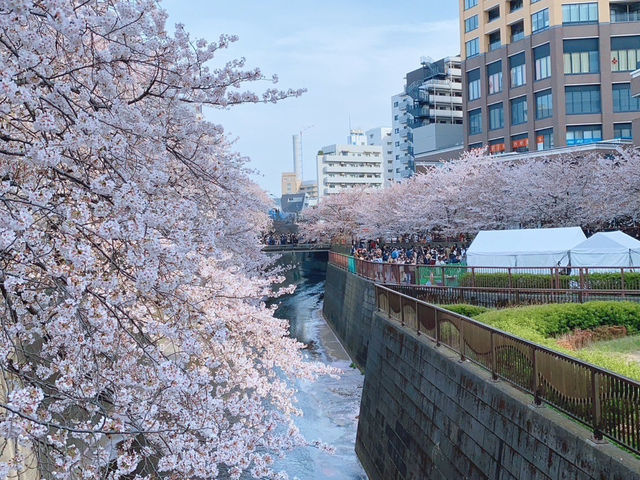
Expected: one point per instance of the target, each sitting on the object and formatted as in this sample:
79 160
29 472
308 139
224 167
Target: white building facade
343 167
382 136
432 98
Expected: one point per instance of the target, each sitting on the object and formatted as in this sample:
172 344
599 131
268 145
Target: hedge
542 323
594 281
465 309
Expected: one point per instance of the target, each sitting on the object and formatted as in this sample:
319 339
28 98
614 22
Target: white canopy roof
607 249
538 247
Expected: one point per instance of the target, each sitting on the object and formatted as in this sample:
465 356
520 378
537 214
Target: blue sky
351 56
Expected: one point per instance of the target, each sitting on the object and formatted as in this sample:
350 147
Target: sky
350 55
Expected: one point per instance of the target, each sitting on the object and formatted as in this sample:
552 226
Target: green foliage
465 309
593 281
542 323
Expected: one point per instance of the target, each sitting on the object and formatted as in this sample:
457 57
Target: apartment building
539 74
428 115
635 92
382 136
356 164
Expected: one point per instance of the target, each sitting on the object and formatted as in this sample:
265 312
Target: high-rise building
635 92
356 164
427 116
382 136
539 74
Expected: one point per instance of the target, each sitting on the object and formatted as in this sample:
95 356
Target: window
497 145
494 40
540 20
473 81
580 13
517 31
582 99
475 121
493 14
629 12
581 56
471 23
534 1
583 134
622 130
517 70
542 58
473 146
470 4
544 104
625 53
496 116
494 77
473 47
544 139
515 5
622 99
520 143
519 111
395 104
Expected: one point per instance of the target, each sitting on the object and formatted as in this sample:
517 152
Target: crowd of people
410 254
273 238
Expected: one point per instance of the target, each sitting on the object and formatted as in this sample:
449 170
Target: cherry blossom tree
135 342
479 191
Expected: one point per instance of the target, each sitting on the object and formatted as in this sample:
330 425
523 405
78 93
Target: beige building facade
548 73
290 183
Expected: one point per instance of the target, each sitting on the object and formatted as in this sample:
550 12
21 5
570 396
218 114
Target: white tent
538 247
607 249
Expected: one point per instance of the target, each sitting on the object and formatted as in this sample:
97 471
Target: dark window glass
496 116
475 122
544 104
544 139
520 143
622 131
473 82
583 134
519 112
625 53
542 59
622 99
517 70
581 56
494 77
582 99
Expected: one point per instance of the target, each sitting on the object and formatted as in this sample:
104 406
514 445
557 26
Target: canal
330 406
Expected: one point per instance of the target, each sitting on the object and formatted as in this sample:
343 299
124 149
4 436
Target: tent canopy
607 249
537 247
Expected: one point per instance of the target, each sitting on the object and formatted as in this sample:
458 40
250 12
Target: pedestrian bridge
297 247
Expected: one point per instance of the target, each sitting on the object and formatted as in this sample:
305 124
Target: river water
330 406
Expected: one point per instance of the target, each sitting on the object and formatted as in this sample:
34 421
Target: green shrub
542 323
466 309
593 281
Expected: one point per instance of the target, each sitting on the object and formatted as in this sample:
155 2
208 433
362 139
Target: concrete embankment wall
425 415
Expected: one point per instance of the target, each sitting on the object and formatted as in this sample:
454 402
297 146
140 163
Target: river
330 406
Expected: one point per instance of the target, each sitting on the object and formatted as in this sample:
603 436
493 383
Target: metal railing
606 402
297 247
496 286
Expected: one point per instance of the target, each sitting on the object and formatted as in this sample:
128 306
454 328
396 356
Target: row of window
580 13
580 56
579 100
575 135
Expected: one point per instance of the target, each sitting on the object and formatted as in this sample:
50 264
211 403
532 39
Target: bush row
594 281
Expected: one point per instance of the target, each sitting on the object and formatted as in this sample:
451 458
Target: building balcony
635 83
354 170
624 11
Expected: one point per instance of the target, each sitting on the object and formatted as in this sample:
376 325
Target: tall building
427 116
539 74
382 136
356 164
635 91
290 183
